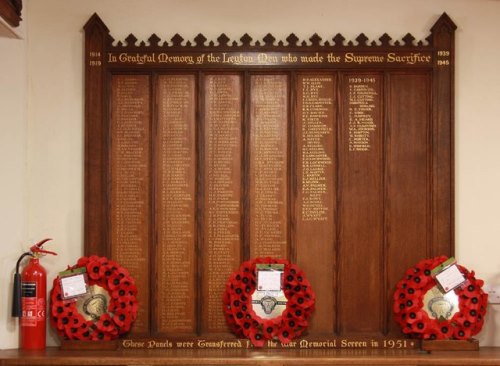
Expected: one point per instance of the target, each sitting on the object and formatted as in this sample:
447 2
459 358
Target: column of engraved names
130 133
315 201
362 95
316 131
222 194
268 166
176 204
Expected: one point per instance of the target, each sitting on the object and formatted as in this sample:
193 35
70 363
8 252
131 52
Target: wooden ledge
55 356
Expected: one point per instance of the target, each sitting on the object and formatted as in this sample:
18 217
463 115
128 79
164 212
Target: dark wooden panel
268 166
130 184
443 185
315 205
407 175
96 214
175 200
222 192
360 298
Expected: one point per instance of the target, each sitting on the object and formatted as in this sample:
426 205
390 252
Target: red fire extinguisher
30 298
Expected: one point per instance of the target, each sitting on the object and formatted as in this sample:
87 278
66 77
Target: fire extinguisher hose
16 298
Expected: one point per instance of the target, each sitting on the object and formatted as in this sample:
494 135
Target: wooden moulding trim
10 13
269 42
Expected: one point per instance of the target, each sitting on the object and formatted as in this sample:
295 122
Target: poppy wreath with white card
425 310
105 312
249 310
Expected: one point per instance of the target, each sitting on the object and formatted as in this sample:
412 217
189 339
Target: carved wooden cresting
335 154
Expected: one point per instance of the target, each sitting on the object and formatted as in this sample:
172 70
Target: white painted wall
13 172
46 199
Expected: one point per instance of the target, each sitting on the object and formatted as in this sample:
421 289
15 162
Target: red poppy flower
76 320
83 332
124 290
59 309
105 324
122 272
256 337
270 328
55 296
82 262
462 333
127 303
415 315
71 332
63 318
286 335
248 267
432 332
105 271
114 281
98 335
93 269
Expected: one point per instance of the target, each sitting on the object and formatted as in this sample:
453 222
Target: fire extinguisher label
28 289
33 308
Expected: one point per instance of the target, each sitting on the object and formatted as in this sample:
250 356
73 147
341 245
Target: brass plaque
440 306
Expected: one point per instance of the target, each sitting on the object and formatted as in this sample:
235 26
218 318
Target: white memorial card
72 286
269 280
450 278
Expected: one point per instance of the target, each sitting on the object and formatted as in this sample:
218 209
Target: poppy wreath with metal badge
424 310
106 310
261 313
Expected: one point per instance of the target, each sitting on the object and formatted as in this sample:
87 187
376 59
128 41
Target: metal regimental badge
95 304
440 306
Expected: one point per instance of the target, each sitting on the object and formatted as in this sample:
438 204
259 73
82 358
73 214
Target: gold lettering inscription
175 192
362 111
222 195
130 193
95 58
316 114
274 58
334 343
268 165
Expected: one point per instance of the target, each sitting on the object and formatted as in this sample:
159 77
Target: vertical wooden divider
96 205
443 106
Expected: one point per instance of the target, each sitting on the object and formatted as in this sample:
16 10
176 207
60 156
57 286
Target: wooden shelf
54 356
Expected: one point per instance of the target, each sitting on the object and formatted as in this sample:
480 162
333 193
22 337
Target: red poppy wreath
106 312
423 311
240 304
